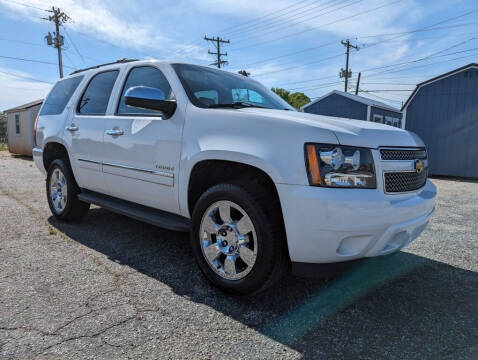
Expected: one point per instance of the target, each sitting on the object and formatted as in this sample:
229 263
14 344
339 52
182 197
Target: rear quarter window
60 95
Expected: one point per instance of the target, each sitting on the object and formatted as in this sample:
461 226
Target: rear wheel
237 243
62 191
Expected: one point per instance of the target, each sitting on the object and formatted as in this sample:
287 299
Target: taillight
35 132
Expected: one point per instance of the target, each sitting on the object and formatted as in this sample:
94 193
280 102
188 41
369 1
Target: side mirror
149 98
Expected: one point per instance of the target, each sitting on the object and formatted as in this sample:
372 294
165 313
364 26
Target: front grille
404 181
403 154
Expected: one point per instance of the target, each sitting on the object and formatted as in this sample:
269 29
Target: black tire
74 208
272 260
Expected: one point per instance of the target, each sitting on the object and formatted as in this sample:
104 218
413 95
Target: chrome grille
403 154
404 181
408 173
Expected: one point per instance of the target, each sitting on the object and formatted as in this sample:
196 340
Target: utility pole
217 41
346 73
58 17
358 84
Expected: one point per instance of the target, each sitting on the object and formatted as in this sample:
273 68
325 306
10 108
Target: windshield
209 88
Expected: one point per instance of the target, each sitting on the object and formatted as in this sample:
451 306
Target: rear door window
97 95
60 95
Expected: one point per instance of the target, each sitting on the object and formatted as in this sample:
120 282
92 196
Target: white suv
259 185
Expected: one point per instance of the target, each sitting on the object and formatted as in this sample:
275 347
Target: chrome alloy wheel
58 190
228 240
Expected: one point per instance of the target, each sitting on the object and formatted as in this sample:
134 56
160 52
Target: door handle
114 132
72 128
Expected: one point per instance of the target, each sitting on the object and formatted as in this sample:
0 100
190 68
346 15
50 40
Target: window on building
144 76
95 99
378 118
393 121
17 124
60 95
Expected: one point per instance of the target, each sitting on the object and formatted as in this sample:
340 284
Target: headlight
340 166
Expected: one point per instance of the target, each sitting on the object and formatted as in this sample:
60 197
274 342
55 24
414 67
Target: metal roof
25 106
436 78
354 97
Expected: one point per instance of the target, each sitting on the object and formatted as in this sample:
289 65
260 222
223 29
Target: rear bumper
38 159
326 225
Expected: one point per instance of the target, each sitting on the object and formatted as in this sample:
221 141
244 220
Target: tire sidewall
265 247
60 164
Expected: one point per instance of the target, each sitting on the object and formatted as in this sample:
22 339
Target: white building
20 121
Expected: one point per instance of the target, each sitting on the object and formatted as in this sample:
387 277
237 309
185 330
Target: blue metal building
341 104
443 111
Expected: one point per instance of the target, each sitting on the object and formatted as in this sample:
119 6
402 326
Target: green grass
3 146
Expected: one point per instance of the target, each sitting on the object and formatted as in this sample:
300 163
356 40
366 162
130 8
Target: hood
348 131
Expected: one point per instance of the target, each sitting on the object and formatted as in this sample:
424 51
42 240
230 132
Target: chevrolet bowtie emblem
419 165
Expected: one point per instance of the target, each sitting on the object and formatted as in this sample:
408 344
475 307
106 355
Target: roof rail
119 61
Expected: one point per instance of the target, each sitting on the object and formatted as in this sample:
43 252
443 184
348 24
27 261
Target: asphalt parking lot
113 288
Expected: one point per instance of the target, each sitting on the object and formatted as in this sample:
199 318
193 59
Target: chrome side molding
147 171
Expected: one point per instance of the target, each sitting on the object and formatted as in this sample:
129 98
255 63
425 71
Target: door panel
87 147
87 129
142 166
141 148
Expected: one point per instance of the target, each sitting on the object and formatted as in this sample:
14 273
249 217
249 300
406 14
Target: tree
297 99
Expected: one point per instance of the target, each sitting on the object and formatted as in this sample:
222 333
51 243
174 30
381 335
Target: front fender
224 155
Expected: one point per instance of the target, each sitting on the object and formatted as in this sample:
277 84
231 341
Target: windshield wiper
236 105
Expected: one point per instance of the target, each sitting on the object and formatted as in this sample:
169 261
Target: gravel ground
113 288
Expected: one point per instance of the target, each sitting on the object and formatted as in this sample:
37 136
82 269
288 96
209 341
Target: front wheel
62 191
237 243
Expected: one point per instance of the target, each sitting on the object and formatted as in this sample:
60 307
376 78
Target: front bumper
38 159
328 225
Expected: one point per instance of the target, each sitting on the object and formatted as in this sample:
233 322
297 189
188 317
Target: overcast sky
290 44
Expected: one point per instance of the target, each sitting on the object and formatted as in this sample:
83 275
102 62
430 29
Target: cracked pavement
111 287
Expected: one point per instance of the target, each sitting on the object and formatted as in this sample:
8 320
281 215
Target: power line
307 16
385 99
74 45
218 41
225 30
238 26
71 60
365 46
280 18
431 27
24 77
23 4
346 73
431 56
58 17
294 67
292 53
420 66
31 60
21 42
318 27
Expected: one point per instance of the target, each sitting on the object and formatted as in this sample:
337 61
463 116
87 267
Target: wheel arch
54 150
253 163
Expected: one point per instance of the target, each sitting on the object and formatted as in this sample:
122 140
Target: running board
146 214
